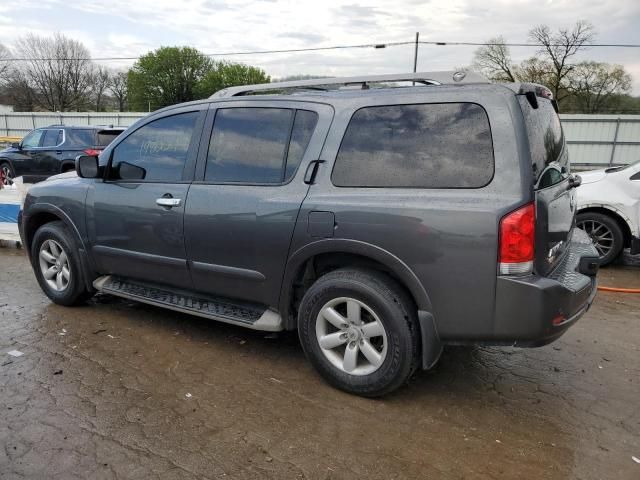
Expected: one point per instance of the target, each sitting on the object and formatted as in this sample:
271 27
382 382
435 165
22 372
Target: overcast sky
133 27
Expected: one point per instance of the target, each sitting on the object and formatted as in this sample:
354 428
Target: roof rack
426 78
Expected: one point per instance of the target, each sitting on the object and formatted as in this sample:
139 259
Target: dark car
380 222
51 150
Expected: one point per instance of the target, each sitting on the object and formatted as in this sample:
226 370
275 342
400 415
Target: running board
223 310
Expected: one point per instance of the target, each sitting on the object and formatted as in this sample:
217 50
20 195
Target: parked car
609 209
51 150
381 223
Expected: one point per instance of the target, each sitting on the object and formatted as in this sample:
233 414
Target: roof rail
427 78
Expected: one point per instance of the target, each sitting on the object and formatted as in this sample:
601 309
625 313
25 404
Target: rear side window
546 142
438 145
52 138
258 145
303 127
81 137
105 137
156 152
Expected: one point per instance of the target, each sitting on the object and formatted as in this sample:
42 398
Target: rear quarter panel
447 237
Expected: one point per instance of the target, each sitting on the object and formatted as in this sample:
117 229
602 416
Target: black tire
395 310
6 173
75 291
586 220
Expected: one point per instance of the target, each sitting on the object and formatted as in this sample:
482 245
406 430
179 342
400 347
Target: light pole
415 54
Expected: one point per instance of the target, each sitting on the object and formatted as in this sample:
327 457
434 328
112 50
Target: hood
592 176
61 176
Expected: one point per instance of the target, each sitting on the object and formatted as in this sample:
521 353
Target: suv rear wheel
359 330
57 266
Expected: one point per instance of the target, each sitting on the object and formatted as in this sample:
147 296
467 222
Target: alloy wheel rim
5 175
600 234
351 336
54 265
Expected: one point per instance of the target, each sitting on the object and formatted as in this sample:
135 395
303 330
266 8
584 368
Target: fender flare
329 245
85 261
612 209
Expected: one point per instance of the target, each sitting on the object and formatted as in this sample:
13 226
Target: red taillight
517 241
92 152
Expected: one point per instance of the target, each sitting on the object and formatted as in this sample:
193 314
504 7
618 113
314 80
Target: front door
135 216
241 212
29 156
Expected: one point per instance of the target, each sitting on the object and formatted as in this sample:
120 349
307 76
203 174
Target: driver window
32 140
156 152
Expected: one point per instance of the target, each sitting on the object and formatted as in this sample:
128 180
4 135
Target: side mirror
87 166
16 145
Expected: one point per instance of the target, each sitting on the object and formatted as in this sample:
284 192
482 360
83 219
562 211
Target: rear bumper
533 310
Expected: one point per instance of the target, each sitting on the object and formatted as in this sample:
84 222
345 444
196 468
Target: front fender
29 223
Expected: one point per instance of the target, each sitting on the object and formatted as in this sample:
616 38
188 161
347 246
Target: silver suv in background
379 221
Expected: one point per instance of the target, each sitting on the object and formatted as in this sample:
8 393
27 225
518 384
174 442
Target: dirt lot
122 390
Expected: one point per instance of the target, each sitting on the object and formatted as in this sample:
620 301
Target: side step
221 309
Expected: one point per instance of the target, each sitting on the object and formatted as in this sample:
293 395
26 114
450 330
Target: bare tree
559 47
119 89
19 92
494 61
100 81
534 70
5 64
58 69
595 86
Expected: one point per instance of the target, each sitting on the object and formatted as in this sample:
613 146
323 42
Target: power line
337 47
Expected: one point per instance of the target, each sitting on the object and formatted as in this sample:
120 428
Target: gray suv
382 217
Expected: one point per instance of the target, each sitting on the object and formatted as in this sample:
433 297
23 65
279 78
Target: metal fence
18 124
602 140
593 140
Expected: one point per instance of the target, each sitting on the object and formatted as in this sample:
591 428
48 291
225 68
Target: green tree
166 76
228 74
597 87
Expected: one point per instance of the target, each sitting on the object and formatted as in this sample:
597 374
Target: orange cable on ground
620 290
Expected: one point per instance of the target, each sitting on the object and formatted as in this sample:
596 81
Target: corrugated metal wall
602 139
18 124
594 140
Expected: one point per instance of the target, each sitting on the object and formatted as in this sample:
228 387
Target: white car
609 209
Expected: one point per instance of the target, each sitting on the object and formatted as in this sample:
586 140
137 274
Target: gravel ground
115 389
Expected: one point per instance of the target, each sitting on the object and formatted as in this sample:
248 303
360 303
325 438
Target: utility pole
415 56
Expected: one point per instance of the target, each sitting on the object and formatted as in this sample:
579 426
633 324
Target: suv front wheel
359 330
57 266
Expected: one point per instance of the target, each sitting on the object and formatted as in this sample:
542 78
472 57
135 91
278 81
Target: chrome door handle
168 202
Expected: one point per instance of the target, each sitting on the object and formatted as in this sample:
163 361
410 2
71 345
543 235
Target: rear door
554 196
242 209
50 155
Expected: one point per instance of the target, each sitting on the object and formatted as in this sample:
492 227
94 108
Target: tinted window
546 140
156 152
248 145
303 127
52 138
105 137
32 139
80 137
423 146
